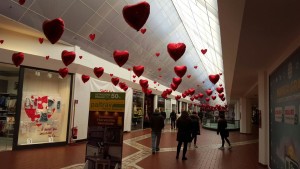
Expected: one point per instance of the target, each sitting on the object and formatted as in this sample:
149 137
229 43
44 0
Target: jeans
184 148
155 140
173 124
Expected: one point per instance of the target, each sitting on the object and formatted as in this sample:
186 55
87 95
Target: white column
246 113
263 107
237 110
155 100
180 106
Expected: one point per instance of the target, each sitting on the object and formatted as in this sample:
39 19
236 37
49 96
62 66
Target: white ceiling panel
93 4
11 9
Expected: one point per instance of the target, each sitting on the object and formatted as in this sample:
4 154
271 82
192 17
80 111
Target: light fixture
37 73
49 75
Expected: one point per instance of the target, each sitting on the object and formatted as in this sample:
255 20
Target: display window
137 110
44 110
161 102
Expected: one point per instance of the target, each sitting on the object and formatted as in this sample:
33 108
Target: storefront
148 109
137 110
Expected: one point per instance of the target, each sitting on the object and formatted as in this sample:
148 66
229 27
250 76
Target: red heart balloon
177 80
138 70
129 69
169 91
214 78
164 94
136 15
85 78
203 51
177 97
207 99
220 74
98 71
220 89
220 84
208 92
53 29
63 72
221 95
17 58
160 76
191 91
68 57
180 70
125 88
192 99
134 76
92 36
159 69
144 83
111 75
183 95
122 85
1 41
157 54
21 2
213 97
173 86
223 99
200 95
41 40
189 76
149 92
143 31
195 67
176 50
115 80
47 57
154 82
133 80
121 57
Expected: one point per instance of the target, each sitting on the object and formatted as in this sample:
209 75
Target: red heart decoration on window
213 97
221 95
220 89
68 57
192 99
208 92
177 80
200 95
189 76
53 29
177 97
195 67
214 78
191 91
143 31
203 51
173 86
80 57
176 50
159 69
183 95
47 57
122 85
169 91
157 54
1 41
17 58
21 2
41 40
121 57
115 80
180 70
136 15
98 71
138 70
63 72
85 78
144 83
92 36
207 99
111 75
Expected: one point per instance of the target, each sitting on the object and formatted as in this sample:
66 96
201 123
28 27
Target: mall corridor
137 153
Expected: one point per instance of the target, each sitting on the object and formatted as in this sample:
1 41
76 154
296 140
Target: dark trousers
173 124
194 138
184 148
223 140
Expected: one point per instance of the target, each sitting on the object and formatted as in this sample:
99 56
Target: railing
212 123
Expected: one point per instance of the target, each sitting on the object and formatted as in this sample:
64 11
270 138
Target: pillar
246 113
263 107
237 111
155 100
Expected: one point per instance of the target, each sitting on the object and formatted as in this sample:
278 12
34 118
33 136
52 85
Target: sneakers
221 148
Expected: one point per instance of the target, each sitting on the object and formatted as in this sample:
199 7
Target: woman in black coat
184 134
222 125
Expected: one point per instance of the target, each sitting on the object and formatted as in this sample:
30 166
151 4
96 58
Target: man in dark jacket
184 134
222 125
163 113
156 124
173 119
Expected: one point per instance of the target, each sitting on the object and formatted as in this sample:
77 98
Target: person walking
222 125
163 113
184 127
195 128
173 119
156 124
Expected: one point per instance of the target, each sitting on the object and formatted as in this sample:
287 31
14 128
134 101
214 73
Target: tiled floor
137 153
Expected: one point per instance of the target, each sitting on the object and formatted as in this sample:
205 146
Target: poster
284 114
105 129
